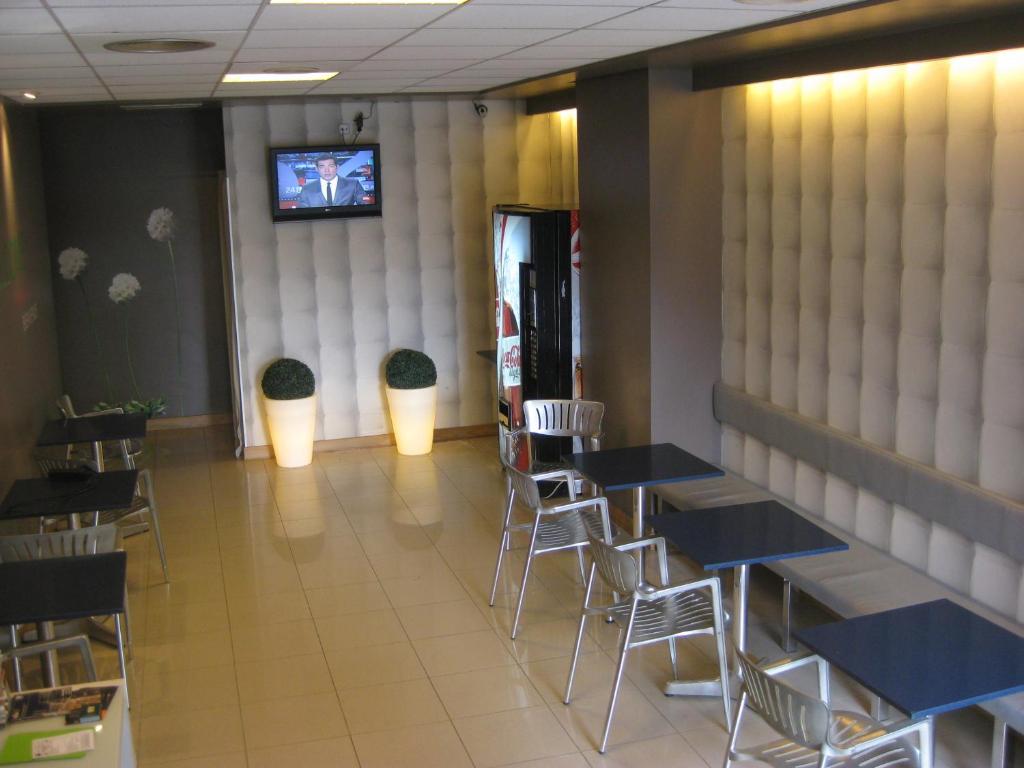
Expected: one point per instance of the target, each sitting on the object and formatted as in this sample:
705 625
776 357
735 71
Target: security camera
481 109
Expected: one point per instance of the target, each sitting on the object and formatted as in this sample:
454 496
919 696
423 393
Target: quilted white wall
874 280
340 295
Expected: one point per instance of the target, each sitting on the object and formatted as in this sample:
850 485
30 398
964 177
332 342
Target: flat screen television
325 182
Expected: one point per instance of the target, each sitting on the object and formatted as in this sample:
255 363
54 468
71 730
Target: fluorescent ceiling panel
277 77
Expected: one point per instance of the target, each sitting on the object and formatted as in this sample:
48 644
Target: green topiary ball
288 379
409 369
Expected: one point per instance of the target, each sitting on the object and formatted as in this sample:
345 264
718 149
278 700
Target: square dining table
95 430
46 497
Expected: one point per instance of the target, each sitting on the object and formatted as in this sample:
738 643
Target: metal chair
561 418
71 543
651 614
127 450
555 526
814 735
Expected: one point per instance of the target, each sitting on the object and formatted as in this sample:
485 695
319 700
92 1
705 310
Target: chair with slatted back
649 614
556 526
128 451
813 734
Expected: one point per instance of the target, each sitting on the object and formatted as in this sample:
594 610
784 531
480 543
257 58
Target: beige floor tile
360 630
594 674
328 524
313 549
257 554
254 516
436 745
434 587
167 691
297 492
461 653
276 641
233 760
438 619
670 751
545 640
253 580
250 533
374 665
390 706
212 649
293 721
283 678
282 476
574 760
513 736
484 691
253 610
635 719
196 733
166 622
353 569
396 539
351 598
312 508
330 753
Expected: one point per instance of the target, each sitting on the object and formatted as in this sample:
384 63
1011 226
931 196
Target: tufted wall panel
874 282
340 295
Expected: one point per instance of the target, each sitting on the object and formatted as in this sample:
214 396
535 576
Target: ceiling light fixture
30 96
158 45
367 2
278 77
291 70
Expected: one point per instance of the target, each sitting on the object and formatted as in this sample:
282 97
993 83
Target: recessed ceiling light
291 70
367 2
278 77
30 96
158 45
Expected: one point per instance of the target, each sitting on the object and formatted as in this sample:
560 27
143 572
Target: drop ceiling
54 48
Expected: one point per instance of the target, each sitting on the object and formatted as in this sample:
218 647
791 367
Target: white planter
412 415
292 425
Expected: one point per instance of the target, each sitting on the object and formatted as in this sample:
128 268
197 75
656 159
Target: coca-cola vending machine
537 319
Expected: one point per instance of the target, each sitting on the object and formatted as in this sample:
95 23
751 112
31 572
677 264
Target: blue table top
743 534
619 469
924 659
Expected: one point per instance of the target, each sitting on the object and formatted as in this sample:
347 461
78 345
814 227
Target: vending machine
537 318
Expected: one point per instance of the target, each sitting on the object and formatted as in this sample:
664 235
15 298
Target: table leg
639 511
740 594
51 668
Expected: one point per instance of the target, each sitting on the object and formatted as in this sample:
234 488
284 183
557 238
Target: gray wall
615 209
105 170
650 205
28 356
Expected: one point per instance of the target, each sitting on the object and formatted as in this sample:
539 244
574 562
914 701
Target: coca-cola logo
511 357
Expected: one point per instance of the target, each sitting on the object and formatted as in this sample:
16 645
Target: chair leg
155 521
526 576
504 545
672 657
788 645
128 628
1001 741
120 656
623 653
734 732
575 659
583 567
16 661
723 657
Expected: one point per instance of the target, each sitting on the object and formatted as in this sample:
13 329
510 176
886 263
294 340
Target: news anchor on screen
329 190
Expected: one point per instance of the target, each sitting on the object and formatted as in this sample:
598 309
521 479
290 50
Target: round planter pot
412 415
292 424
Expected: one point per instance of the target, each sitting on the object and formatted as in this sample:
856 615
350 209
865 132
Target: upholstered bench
866 579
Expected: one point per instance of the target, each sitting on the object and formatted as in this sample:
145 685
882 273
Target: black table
43 497
95 430
924 659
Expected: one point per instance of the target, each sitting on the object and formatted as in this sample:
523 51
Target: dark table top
62 588
43 497
93 429
619 469
924 659
743 534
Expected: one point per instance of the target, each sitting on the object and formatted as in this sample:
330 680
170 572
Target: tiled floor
337 615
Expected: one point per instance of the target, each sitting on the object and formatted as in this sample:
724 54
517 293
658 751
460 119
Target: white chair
650 614
127 450
813 734
555 527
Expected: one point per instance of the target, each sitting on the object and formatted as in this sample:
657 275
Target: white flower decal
161 224
123 287
72 262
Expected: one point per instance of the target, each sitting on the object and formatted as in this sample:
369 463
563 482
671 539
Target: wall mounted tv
325 182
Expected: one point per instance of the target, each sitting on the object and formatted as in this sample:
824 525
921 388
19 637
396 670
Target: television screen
325 182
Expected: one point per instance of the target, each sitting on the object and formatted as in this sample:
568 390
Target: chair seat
567 530
846 729
665 617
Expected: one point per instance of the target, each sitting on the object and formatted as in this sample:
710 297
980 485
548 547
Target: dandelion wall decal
123 288
72 263
161 226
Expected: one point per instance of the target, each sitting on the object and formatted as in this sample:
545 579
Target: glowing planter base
412 416
292 424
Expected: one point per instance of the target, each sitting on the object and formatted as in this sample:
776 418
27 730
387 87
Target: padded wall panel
895 314
341 294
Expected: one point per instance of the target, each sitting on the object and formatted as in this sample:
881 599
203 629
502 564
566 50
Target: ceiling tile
20 4
111 59
224 45
170 18
68 98
385 74
799 7
163 89
35 44
555 51
513 16
302 55
506 37
26 21
160 80
15 60
467 52
377 63
263 66
155 70
342 17
324 38
145 3
704 19
440 89
632 39
623 4
41 84
47 73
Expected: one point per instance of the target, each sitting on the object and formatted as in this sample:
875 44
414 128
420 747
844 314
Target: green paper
18 747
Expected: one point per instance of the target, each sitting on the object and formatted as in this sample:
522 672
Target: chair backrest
48 464
563 418
617 569
802 718
41 546
66 408
524 486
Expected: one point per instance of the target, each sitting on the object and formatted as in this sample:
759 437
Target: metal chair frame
651 614
555 526
814 734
